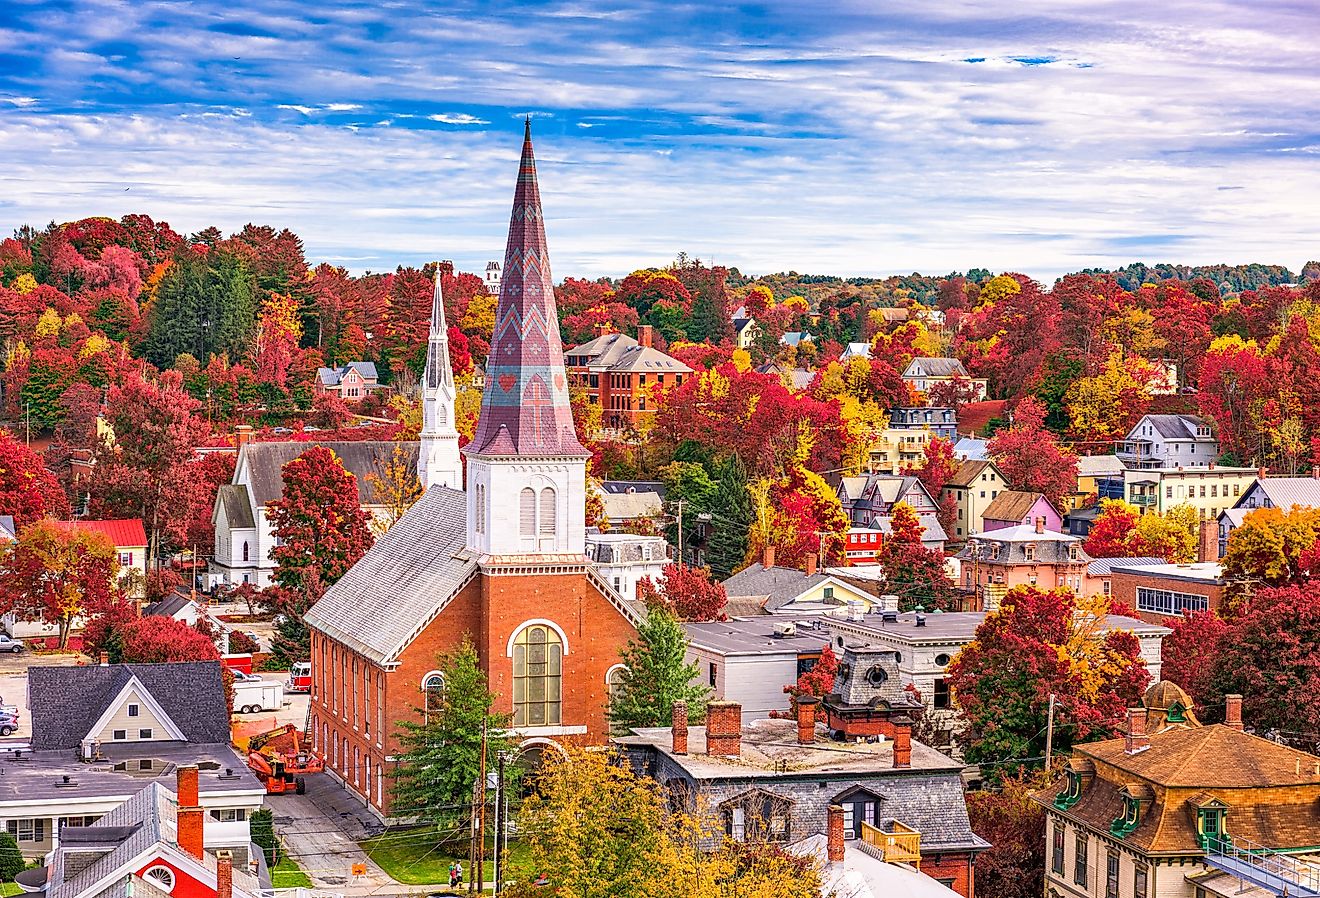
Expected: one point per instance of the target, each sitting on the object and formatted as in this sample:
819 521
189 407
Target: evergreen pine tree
204 305
441 755
732 508
655 675
11 858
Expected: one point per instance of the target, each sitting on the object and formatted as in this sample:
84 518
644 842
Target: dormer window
1030 551
1072 552
1072 792
1126 822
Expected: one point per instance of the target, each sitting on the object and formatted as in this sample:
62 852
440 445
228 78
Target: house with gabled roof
1169 441
623 376
766 588
924 373
973 486
871 503
100 733
353 381
244 533
1268 492
1013 507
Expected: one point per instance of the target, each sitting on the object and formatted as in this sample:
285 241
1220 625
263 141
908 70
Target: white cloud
457 118
21 101
305 110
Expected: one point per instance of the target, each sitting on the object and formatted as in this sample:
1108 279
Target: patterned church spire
439 463
525 410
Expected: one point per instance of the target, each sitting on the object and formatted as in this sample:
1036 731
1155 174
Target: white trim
421 685
612 669
146 698
538 732
157 882
537 621
540 741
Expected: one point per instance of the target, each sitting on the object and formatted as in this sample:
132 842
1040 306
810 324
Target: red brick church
501 562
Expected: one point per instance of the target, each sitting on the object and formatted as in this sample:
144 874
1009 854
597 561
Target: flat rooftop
1198 572
37 776
755 635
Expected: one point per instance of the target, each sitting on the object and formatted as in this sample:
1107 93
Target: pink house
1013 507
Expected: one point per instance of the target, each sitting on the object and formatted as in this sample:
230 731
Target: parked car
282 430
241 677
8 725
10 644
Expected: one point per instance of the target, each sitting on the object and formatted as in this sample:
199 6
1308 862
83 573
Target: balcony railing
1144 499
1281 874
900 846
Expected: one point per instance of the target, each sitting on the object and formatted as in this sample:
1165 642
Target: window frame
1058 847
1082 843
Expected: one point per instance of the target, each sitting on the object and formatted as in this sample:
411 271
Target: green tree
655 675
262 825
441 755
732 507
205 304
11 859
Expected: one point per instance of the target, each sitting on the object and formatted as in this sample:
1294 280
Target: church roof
403 581
525 409
438 369
265 464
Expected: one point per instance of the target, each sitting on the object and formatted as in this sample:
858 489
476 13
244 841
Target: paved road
322 830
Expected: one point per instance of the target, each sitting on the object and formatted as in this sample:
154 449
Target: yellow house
1209 490
973 486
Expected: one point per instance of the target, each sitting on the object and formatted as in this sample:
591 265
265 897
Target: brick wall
1124 584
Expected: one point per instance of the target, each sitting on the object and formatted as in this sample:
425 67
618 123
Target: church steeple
438 462
526 468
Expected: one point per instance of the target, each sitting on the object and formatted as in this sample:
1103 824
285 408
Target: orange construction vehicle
280 759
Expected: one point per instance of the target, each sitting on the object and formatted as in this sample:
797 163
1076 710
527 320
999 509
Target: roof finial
527 127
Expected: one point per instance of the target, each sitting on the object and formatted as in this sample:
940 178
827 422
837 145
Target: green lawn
8 889
411 858
288 875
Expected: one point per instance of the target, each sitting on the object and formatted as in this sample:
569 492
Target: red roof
125 533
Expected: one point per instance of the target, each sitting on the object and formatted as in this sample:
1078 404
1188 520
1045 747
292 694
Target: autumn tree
1013 822
655 675
321 531
1040 643
817 682
1122 531
394 485
28 491
276 344
161 640
1191 653
1111 531
687 592
1269 547
54 574
1030 457
441 755
800 516
916 574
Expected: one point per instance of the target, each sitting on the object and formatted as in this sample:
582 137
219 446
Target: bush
11 859
240 643
262 827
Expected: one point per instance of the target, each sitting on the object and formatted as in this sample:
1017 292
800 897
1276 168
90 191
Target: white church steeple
438 462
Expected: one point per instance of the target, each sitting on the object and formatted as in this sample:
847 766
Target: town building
971 449
633 504
1100 572
924 373
349 382
903 443
1164 592
1097 476
1209 489
129 538
502 564
625 377
244 533
869 501
1177 809
793 338
745 330
973 486
766 588
775 781
995 562
1169 441
100 733
1268 492
855 351
1012 508
491 279
623 559
438 463
862 546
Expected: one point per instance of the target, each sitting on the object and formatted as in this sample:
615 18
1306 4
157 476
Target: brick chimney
644 335
190 812
1262 472
806 719
224 875
834 834
902 742
242 435
1136 739
724 728
768 556
1208 547
1040 524
1233 711
1315 472
811 565
602 329
105 659
678 728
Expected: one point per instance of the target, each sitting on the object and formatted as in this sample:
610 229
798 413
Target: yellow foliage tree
997 288
742 359
24 284
1267 549
1090 657
408 411
48 325
1173 535
395 486
93 345
1103 407
480 315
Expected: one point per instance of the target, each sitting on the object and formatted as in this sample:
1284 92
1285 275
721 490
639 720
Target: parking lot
13 683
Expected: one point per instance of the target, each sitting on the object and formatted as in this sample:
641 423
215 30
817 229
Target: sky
858 138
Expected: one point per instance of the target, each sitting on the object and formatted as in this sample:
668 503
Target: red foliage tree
1030 457
319 522
28 491
819 681
1013 822
914 573
161 640
686 592
1191 652
1112 530
54 574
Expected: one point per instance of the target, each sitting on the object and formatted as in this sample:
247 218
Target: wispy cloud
457 118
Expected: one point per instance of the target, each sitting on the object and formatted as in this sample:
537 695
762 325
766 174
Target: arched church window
537 675
433 689
527 512
547 511
245 550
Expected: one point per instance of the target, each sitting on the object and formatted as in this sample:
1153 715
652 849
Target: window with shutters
537 673
547 527
527 512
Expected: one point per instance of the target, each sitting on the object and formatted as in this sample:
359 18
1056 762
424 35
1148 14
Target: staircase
1282 874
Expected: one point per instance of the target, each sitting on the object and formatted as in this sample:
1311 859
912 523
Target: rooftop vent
66 782
785 630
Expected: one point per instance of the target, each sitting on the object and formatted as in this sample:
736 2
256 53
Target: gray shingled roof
1285 492
169 606
266 461
403 581
1051 547
935 367
780 585
1175 427
238 507
64 702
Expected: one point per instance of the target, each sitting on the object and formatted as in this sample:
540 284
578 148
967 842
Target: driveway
322 829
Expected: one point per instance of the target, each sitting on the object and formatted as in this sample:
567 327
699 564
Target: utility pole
680 533
501 823
1049 736
477 875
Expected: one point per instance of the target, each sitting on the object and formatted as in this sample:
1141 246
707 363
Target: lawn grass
288 875
9 889
412 858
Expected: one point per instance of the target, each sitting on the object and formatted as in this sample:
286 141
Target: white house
244 534
1169 441
1268 492
924 373
624 558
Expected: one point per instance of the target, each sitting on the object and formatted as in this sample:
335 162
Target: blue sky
932 135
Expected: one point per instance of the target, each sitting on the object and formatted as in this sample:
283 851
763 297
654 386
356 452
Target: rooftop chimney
678 728
1040 524
806 719
1233 711
224 875
242 435
1208 548
1315 472
105 659
902 742
834 834
768 556
644 337
189 824
1136 739
602 328
1262 472
724 728
811 564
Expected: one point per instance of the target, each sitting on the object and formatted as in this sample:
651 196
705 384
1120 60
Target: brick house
1163 592
623 376
502 564
1175 809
